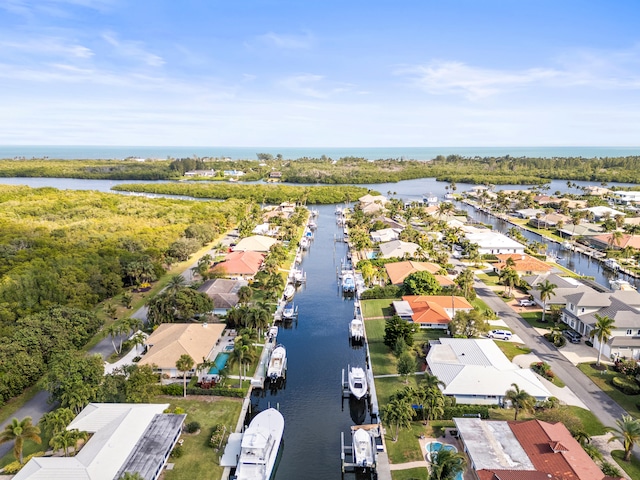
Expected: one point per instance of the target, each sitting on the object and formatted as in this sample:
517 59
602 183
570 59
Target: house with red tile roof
606 241
431 311
525 450
240 264
398 271
523 264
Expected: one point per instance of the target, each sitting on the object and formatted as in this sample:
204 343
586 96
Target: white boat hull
277 363
356 330
357 382
363 449
289 292
260 445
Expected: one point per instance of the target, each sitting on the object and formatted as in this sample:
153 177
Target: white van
500 334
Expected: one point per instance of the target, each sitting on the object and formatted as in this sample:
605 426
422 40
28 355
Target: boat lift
346 451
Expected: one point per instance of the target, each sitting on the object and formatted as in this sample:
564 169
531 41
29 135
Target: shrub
174 389
177 451
626 385
192 427
465 411
609 469
14 467
390 291
543 369
217 433
627 367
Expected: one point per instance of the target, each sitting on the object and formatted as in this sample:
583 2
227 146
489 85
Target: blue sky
320 73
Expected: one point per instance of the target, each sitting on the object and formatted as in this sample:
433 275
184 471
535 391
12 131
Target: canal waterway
317 344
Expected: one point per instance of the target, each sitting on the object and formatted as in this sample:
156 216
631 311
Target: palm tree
627 432
184 364
615 238
398 413
446 464
509 277
432 403
56 421
116 330
244 294
465 281
18 431
547 290
520 399
176 282
602 331
67 438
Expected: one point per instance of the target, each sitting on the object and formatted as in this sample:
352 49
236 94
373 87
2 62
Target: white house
600 212
490 242
386 235
475 371
125 437
626 198
398 248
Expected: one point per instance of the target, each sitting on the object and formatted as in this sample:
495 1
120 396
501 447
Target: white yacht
430 198
611 264
298 276
289 291
277 363
260 444
357 382
289 311
348 282
620 284
363 448
305 243
356 330
566 245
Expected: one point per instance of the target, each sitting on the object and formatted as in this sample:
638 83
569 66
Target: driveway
594 399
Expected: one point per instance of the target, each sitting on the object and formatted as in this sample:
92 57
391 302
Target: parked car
572 336
500 334
525 302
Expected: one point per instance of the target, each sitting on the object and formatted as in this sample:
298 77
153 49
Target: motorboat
305 243
298 276
260 445
363 448
566 245
289 311
357 382
611 264
277 363
348 282
356 330
273 332
620 284
289 291
312 225
430 198
449 196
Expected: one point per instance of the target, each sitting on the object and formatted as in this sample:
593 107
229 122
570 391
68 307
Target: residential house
372 203
243 264
125 437
549 220
385 235
600 212
626 198
275 174
528 212
431 311
255 243
233 173
475 371
171 340
607 240
523 264
524 450
623 306
200 173
596 191
564 286
398 248
490 242
581 230
266 229
223 292
398 271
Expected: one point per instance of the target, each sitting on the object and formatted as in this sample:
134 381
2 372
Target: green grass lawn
592 425
603 380
511 349
533 319
406 448
490 279
378 308
385 387
410 474
632 468
199 460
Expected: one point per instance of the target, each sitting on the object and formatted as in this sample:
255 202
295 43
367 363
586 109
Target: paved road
595 399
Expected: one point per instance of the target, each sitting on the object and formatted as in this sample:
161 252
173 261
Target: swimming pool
434 447
228 348
219 363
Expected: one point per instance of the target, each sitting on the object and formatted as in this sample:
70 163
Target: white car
500 334
525 302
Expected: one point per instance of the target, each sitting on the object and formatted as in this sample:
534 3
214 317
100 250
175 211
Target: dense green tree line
78 248
346 170
261 193
35 340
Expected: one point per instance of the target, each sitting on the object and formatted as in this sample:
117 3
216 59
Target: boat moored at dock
356 330
363 448
260 445
277 363
357 382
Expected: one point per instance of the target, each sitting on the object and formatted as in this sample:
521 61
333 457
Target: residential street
595 399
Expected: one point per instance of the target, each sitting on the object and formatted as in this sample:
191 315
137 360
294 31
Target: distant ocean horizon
94 152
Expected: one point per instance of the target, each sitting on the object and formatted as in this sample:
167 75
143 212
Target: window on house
582 310
629 332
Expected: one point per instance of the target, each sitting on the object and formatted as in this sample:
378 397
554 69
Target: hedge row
465 411
626 385
176 390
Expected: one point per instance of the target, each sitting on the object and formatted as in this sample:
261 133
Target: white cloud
287 41
48 46
133 50
311 85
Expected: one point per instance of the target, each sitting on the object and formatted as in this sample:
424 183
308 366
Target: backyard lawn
381 307
199 460
632 468
511 349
